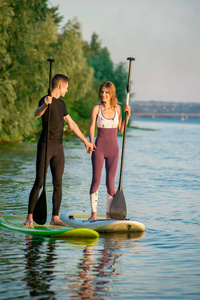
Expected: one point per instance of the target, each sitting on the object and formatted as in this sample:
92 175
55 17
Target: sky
162 35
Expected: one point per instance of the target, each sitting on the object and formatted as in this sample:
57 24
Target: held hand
48 100
127 109
94 146
89 147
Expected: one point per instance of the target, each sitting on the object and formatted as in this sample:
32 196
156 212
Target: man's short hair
59 79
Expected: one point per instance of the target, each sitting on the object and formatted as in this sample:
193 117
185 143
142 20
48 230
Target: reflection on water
161 186
17 172
94 272
39 267
97 270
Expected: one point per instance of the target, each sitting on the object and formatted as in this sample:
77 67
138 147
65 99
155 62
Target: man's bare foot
29 220
93 216
55 220
108 215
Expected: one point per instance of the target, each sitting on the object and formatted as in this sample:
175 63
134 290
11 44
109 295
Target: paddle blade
118 207
40 210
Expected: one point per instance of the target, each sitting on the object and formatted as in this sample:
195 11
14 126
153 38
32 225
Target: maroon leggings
56 159
108 149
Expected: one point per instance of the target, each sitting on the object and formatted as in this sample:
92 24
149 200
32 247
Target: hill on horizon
164 107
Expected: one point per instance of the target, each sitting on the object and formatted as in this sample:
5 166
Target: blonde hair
112 92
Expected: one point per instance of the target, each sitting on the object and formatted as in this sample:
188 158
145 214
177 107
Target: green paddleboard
14 222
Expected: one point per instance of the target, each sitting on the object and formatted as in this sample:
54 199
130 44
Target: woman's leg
111 170
97 165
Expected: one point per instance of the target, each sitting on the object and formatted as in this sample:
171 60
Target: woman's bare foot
93 216
55 220
29 220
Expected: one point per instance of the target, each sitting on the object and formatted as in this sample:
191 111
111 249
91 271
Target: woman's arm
94 114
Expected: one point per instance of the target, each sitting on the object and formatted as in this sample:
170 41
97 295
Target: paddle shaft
51 60
40 210
125 121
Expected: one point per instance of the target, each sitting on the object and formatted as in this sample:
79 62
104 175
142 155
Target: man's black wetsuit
55 155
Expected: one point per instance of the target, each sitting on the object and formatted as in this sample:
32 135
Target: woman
107 115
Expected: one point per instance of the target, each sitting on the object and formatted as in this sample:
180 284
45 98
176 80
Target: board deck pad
101 224
14 222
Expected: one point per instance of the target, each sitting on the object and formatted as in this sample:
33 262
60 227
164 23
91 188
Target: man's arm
74 127
40 110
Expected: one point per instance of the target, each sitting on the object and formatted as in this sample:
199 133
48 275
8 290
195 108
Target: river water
161 183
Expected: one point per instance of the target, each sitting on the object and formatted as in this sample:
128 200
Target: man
55 157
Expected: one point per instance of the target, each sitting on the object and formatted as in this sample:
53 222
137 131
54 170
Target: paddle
40 210
118 207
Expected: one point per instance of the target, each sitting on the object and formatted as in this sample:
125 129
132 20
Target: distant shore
154 115
165 109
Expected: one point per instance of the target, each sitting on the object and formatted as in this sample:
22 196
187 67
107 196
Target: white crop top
102 122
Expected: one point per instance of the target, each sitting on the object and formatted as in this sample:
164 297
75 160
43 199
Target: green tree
24 76
120 77
28 36
70 60
99 59
104 69
7 85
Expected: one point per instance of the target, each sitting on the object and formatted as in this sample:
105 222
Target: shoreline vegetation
66 137
141 128
31 33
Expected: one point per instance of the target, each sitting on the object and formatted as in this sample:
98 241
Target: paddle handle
51 60
125 121
129 79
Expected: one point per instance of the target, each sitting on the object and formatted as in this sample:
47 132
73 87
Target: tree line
29 34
